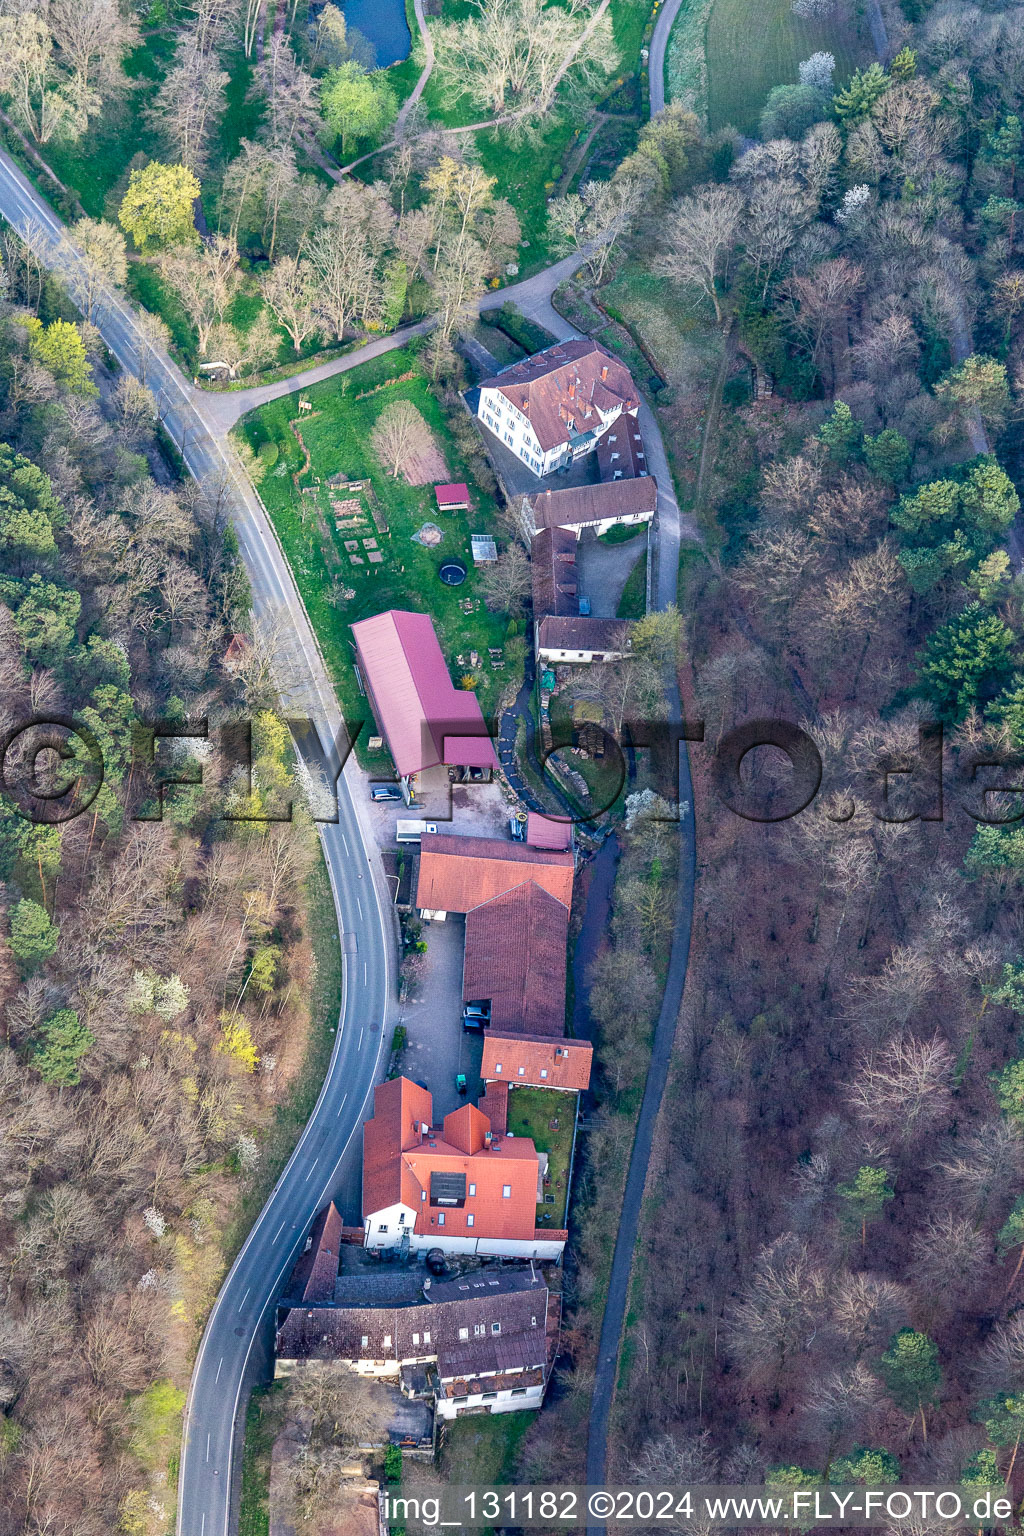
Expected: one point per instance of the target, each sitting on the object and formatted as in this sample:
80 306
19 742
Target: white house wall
515 430
420 1242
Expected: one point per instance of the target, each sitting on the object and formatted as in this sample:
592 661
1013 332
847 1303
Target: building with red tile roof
482 1341
422 716
314 1275
515 958
459 873
582 640
620 451
553 407
462 1187
539 1061
608 505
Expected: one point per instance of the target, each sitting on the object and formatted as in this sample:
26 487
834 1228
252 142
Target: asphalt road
656 55
230 1348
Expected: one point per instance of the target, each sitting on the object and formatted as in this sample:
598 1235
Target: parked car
517 831
385 792
460 1081
475 1015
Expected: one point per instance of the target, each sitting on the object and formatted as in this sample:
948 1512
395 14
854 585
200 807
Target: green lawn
675 336
337 433
534 1112
752 47
99 161
482 1449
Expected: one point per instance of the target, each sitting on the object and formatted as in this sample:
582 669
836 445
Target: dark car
385 792
475 1015
517 830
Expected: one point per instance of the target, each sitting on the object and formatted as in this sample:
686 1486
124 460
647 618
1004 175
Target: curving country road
326 1149
656 56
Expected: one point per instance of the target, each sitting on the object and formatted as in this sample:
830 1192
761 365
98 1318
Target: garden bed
346 508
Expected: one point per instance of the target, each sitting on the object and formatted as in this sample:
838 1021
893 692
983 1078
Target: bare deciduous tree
506 582
205 280
902 1091
289 289
400 435
700 236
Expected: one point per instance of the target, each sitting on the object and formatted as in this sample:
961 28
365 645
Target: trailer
412 831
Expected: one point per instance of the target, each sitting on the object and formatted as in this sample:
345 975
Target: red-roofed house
313 1277
515 959
462 1188
546 832
424 719
536 1060
553 407
452 498
459 873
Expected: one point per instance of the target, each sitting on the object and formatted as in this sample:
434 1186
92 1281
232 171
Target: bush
392 1464
270 453
791 110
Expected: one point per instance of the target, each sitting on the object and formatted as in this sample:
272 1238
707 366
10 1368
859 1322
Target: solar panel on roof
447 1188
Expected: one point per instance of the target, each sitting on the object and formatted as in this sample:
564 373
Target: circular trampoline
452 573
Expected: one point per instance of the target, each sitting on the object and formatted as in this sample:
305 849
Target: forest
159 977
829 1280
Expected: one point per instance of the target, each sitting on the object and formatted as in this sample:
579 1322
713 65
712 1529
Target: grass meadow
752 47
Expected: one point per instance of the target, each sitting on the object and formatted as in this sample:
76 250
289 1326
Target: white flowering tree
818 70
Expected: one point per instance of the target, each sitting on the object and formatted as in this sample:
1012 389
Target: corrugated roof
516 949
458 873
547 832
546 1062
447 495
564 389
415 703
581 504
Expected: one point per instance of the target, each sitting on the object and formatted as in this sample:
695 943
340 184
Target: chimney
604 370
488 1138
572 389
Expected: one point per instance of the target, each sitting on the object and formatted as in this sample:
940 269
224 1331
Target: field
533 1112
750 49
337 435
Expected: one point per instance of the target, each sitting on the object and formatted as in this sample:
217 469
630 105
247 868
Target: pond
383 24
